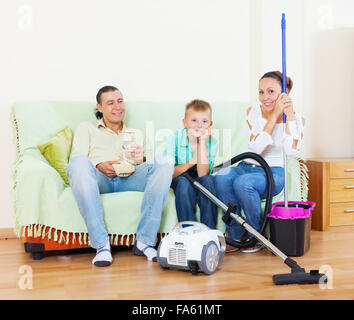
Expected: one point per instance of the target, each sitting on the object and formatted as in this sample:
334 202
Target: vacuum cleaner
298 275
192 246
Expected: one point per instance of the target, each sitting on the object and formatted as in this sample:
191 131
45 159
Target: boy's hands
193 161
206 134
203 133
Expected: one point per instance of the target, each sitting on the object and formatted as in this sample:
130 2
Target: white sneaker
257 247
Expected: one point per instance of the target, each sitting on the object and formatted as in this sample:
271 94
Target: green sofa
44 206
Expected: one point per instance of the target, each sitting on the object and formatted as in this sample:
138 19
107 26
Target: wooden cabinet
331 186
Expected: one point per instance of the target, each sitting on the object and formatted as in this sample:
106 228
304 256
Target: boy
194 149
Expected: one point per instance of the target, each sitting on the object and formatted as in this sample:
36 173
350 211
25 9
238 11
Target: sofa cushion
57 151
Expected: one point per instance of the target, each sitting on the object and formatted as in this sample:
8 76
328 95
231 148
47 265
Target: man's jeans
87 183
245 186
186 197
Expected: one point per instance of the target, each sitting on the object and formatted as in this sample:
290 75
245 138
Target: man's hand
107 168
134 153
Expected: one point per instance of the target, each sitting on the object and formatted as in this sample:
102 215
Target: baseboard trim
7 233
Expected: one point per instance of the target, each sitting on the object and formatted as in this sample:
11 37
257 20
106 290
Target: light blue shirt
177 146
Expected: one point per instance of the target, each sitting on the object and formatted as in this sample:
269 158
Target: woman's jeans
87 183
245 186
186 197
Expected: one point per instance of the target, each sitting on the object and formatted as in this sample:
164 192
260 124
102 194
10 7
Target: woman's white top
271 147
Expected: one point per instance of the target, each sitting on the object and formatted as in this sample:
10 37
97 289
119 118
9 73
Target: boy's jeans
245 186
153 178
186 197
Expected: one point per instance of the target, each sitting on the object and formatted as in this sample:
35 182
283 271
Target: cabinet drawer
341 169
341 190
341 214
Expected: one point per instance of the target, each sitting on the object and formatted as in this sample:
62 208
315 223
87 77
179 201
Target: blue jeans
186 197
245 186
87 183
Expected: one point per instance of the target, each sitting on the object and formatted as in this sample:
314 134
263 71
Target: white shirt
271 147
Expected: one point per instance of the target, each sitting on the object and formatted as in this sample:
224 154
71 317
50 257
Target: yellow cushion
57 151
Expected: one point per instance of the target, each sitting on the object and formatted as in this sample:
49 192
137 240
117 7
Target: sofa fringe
43 232
18 160
62 236
304 177
24 231
38 230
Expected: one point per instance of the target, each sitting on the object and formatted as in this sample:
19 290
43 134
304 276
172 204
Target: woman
245 184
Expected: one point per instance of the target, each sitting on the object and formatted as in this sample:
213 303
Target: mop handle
283 27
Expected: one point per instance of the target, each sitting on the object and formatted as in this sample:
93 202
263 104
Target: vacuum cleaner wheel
210 258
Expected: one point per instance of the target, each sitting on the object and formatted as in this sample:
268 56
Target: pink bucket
294 210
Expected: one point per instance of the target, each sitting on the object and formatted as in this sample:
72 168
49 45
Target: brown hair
277 75
197 105
104 89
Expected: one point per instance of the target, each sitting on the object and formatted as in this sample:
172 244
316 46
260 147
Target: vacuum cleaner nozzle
314 277
298 275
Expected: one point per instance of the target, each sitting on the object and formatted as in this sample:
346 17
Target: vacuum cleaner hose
269 196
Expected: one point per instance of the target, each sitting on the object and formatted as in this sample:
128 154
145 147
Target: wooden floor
241 276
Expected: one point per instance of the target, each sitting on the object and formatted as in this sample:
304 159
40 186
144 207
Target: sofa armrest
30 168
36 187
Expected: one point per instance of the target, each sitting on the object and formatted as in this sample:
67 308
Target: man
96 148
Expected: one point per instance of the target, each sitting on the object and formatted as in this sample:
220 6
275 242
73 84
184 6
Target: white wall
329 78
160 50
169 50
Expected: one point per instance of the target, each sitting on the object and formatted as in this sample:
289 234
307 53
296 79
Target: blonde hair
197 105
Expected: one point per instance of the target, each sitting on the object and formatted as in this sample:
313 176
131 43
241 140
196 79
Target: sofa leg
37 255
37 250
